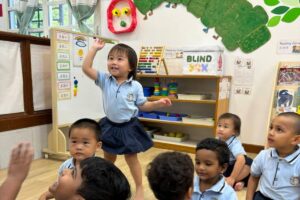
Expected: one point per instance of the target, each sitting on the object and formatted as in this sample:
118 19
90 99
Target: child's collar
289 158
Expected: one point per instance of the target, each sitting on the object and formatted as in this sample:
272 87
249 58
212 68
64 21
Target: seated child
170 176
238 171
18 168
84 141
276 171
94 179
212 158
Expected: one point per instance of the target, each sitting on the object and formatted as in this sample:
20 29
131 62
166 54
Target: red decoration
1 12
110 16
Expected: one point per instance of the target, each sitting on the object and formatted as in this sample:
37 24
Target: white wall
177 27
36 135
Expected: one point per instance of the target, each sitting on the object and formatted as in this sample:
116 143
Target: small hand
230 181
20 161
165 102
98 44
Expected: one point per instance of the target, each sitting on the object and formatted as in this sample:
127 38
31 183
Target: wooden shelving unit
196 84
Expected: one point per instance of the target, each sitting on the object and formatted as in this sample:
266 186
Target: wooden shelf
178 123
179 76
186 146
208 101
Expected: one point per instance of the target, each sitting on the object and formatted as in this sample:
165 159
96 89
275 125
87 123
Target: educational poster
150 59
285 98
80 49
63 66
243 76
203 62
288 47
289 75
174 60
224 89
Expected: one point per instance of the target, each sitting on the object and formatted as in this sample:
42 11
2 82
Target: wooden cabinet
217 86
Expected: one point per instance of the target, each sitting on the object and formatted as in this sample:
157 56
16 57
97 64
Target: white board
74 95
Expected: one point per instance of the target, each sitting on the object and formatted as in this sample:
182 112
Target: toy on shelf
173 89
156 87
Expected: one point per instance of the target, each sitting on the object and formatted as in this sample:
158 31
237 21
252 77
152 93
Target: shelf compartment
186 146
179 76
208 101
178 123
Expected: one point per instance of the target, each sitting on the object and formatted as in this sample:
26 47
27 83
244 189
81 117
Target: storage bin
148 91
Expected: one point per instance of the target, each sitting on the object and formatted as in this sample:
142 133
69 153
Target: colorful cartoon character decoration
121 16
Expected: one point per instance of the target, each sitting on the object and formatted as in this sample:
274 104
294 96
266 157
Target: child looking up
84 141
211 161
122 98
238 171
170 176
94 179
276 171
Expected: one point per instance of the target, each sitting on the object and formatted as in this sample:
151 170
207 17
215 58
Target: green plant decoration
237 22
288 12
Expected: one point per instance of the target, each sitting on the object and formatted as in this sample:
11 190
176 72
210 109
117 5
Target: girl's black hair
131 55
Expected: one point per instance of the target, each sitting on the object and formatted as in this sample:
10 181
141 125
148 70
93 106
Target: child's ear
99 145
296 140
188 195
224 167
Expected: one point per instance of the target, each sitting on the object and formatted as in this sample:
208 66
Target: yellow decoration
116 12
126 11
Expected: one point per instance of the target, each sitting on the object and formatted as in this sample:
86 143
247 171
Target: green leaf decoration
291 15
271 2
280 10
274 21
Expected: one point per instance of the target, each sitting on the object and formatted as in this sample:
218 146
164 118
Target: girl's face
207 166
118 65
83 143
67 185
225 129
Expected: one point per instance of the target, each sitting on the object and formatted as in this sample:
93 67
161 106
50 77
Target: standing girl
123 96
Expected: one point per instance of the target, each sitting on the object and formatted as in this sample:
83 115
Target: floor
44 172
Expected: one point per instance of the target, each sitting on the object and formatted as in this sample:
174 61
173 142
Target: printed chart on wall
75 95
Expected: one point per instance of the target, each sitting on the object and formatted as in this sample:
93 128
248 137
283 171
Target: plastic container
148 91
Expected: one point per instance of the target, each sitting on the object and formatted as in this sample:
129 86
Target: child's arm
18 168
88 60
251 188
238 166
152 105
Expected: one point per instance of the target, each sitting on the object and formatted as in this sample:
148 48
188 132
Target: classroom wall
177 27
36 135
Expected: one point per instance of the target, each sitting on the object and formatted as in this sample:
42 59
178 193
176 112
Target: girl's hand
98 44
164 102
230 181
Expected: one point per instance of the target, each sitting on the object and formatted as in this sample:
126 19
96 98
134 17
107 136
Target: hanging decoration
120 18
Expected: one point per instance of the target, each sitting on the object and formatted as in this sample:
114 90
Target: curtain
24 10
82 10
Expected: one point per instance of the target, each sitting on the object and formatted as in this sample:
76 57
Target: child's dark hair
102 180
236 121
217 146
87 123
296 117
130 53
170 175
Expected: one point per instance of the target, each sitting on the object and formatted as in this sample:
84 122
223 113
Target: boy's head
125 50
284 131
211 160
170 176
84 138
96 179
228 125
